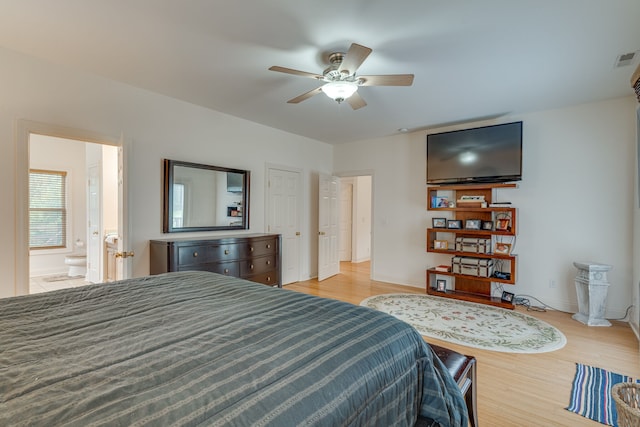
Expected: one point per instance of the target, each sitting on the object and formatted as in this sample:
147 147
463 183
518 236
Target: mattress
198 348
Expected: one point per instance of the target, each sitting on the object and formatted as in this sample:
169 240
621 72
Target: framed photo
454 223
502 248
487 225
440 244
507 296
441 285
473 224
503 224
439 222
439 202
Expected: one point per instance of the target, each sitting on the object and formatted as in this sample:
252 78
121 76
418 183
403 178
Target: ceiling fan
341 82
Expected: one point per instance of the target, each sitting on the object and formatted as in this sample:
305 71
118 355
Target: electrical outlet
552 284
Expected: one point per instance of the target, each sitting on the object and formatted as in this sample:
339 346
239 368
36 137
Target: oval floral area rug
471 324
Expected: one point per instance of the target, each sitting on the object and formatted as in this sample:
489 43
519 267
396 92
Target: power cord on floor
625 314
523 300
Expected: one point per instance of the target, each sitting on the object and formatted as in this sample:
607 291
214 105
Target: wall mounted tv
479 155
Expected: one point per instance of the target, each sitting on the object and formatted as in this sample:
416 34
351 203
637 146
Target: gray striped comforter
197 348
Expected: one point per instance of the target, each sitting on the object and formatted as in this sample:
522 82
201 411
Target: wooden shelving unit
468 287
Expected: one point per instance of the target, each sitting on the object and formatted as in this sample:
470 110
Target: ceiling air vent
625 59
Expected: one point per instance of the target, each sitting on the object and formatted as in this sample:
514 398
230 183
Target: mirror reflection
202 197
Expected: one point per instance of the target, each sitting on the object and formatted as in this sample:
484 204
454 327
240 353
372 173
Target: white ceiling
471 59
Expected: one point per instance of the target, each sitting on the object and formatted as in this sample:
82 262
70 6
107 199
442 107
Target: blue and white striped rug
591 394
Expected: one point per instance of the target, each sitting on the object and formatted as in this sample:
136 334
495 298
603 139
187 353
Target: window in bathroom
47 209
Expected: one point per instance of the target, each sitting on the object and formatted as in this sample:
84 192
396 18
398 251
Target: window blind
47 209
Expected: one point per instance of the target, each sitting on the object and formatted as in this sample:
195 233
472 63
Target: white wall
45 153
574 203
156 127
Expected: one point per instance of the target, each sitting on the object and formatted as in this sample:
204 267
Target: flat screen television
486 154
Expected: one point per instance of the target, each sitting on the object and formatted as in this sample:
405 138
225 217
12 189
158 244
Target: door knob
124 254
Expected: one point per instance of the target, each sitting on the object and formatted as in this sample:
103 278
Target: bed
198 348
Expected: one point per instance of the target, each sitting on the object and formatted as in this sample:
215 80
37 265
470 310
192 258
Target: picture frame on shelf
441 285
507 297
473 224
502 248
439 222
439 202
454 223
440 244
503 224
487 225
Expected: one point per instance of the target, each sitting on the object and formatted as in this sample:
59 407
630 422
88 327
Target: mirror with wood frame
201 197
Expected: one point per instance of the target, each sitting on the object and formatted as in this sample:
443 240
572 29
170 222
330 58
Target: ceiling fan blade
356 101
354 58
305 95
295 72
388 80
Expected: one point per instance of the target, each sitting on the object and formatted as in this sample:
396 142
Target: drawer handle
268 278
251 267
226 271
251 249
226 251
195 254
268 246
269 262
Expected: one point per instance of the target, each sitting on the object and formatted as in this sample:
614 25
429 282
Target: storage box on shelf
473 251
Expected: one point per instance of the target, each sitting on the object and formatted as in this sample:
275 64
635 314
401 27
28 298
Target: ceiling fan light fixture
339 91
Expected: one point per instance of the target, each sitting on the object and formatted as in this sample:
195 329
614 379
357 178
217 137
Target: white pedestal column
592 287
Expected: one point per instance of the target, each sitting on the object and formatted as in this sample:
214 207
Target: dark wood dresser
254 257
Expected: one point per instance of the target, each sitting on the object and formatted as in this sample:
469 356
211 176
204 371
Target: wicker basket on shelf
635 82
627 399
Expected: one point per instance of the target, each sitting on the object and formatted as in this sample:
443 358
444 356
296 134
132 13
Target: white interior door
94 224
123 260
284 197
328 257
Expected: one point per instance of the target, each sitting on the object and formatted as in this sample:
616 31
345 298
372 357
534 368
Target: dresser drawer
257 266
190 255
229 268
270 278
261 247
225 252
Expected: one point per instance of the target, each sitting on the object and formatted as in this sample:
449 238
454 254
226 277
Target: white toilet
77 262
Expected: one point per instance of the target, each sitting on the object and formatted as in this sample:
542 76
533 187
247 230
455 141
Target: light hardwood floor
513 389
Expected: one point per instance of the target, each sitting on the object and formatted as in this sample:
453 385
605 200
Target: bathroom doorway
91 148
73 251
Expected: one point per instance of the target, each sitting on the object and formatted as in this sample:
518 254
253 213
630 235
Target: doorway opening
86 224
90 191
355 229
